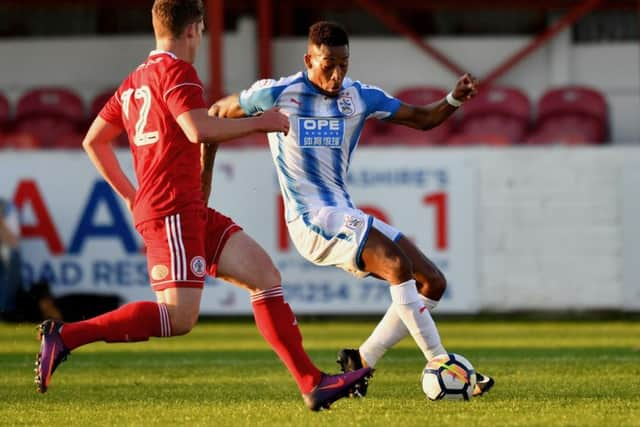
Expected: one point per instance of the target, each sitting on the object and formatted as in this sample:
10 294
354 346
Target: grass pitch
223 374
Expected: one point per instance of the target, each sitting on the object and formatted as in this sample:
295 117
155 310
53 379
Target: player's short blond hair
171 17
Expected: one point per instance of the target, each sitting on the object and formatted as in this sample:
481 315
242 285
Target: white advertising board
78 235
630 236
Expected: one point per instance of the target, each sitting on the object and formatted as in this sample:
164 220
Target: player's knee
269 277
272 277
183 322
399 267
431 283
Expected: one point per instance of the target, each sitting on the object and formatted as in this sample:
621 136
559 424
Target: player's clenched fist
466 88
274 121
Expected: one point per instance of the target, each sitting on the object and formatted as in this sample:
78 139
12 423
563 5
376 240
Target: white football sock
389 331
417 319
430 303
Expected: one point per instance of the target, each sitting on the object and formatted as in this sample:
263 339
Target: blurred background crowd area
587 50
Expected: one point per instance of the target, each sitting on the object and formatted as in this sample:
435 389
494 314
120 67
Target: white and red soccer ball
450 377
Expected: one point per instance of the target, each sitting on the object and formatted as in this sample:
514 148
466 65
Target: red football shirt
167 165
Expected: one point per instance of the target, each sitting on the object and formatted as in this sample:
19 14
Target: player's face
327 66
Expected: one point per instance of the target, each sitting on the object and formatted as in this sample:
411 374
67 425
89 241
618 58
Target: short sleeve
379 103
112 111
261 96
183 90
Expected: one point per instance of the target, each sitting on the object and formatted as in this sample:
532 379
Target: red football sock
278 326
135 321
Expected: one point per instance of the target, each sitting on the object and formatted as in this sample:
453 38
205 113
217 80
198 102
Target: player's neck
177 47
319 88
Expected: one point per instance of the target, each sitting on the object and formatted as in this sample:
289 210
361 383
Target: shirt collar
162 52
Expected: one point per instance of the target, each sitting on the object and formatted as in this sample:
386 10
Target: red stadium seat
500 112
423 95
572 100
563 137
20 141
383 133
420 95
478 138
370 131
49 112
403 135
72 140
571 115
98 102
96 105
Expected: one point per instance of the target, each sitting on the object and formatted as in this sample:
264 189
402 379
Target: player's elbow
193 124
193 134
88 143
427 124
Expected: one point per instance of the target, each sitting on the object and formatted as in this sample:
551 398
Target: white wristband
452 101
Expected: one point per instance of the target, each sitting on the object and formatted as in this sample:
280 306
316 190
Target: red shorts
184 247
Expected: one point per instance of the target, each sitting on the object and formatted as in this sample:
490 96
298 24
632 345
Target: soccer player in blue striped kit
327 111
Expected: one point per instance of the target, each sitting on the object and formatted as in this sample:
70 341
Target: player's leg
430 280
244 263
183 307
351 240
175 258
135 321
240 260
170 246
384 258
431 284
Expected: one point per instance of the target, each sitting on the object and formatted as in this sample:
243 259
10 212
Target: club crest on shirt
352 222
159 272
198 266
345 105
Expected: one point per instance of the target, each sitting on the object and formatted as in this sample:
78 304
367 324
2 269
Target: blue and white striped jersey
312 161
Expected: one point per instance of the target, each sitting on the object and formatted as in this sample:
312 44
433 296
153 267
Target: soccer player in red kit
161 107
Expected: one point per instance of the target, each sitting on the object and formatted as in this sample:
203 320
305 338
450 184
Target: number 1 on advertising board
439 201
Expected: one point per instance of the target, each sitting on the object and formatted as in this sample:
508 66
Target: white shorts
336 236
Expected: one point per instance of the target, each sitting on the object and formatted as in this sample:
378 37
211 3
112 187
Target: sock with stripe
389 331
416 317
277 324
137 321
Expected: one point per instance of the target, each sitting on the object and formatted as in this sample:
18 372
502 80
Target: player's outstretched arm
97 144
429 116
198 126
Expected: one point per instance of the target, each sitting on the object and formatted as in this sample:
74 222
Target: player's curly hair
171 17
328 34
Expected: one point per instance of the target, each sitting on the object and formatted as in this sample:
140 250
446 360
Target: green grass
548 373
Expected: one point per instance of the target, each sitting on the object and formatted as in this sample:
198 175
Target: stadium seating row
504 116
48 117
55 118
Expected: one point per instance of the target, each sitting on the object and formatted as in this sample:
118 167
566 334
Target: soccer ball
448 376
